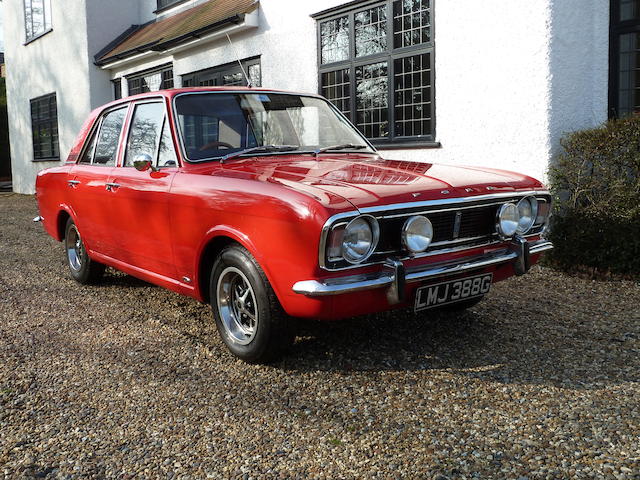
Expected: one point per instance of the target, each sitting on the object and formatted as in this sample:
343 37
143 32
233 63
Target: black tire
82 268
249 317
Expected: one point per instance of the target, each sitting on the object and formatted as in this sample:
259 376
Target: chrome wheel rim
75 249
237 306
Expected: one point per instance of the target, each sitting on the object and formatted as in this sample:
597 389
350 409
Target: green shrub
596 185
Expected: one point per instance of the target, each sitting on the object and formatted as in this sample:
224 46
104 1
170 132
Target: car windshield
215 125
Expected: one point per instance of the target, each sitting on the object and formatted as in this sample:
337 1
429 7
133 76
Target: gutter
158 47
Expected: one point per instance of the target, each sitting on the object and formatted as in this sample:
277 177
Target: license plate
453 291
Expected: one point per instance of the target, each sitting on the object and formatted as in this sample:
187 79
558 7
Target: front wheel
82 268
249 317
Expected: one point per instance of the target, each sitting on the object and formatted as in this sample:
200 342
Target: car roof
172 92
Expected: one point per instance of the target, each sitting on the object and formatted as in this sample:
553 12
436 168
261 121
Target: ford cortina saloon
270 205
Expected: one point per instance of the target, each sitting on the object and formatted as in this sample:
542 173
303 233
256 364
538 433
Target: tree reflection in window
37 17
371 31
334 40
372 115
107 145
145 131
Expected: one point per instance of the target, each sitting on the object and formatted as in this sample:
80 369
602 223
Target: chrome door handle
112 186
73 183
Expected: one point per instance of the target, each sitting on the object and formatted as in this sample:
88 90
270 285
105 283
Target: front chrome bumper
395 276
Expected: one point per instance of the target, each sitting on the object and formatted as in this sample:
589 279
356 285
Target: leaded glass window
44 127
377 67
624 81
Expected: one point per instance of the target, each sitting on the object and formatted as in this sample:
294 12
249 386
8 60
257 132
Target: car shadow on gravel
473 343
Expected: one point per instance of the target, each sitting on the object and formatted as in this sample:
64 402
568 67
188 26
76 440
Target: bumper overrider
394 276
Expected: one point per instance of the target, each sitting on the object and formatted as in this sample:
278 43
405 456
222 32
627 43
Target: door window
107 145
166 152
145 132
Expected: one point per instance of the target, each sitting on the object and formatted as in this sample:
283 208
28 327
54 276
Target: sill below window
406 145
171 5
47 159
40 35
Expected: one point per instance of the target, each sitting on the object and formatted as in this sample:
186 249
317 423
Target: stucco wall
56 62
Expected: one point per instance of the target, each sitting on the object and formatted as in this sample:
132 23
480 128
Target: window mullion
352 68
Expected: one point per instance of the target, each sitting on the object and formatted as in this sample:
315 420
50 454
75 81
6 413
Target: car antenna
235 52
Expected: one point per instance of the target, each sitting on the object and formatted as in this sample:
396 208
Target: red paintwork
156 226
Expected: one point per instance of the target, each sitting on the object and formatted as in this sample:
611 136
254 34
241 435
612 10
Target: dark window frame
162 5
51 121
117 88
389 55
46 13
192 79
166 78
617 28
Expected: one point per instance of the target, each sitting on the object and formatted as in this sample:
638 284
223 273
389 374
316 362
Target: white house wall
56 62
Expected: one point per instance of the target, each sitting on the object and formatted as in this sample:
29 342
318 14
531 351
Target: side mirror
143 162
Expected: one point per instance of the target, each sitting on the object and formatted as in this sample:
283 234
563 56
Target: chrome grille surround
472 217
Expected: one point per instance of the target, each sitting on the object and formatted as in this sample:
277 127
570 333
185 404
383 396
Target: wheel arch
64 213
215 241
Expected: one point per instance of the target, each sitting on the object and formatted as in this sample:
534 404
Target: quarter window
37 18
108 138
44 128
377 67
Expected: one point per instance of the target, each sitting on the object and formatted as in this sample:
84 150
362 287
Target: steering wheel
212 145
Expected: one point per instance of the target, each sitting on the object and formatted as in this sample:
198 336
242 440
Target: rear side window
107 145
144 135
87 156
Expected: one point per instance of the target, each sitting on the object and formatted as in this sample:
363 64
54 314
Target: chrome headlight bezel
374 230
410 230
507 220
526 222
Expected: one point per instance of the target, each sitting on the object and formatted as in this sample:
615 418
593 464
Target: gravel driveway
541 380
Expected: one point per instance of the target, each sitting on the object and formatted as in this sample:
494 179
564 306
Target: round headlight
360 239
508 220
417 233
527 212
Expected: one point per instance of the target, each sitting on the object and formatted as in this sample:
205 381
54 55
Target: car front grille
454 227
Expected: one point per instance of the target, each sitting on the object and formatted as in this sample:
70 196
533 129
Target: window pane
629 74
254 75
44 127
336 87
145 131
629 10
107 145
411 22
412 86
371 31
231 79
37 17
166 152
334 40
372 88
88 153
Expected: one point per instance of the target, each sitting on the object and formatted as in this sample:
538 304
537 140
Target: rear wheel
249 317
82 268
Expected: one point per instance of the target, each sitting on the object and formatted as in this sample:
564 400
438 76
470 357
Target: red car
271 205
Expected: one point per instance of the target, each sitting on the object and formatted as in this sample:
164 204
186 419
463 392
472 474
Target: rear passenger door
87 181
140 200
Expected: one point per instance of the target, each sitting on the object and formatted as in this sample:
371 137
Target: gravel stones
127 380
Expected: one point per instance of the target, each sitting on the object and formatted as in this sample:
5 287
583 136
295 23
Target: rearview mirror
143 162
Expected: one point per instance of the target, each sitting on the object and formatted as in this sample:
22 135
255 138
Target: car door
140 199
88 179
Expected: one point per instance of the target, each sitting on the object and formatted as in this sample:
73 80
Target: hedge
596 186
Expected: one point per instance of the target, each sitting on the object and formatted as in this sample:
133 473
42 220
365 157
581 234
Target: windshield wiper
343 146
259 149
